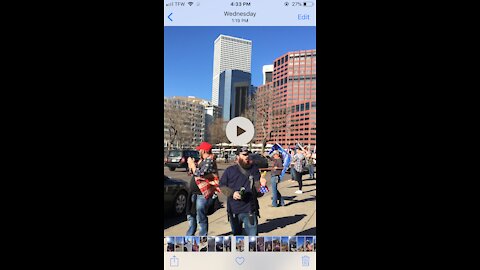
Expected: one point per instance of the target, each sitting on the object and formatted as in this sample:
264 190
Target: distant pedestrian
292 153
240 183
298 161
197 203
275 179
310 163
226 157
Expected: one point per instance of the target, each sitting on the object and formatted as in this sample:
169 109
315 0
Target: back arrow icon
169 17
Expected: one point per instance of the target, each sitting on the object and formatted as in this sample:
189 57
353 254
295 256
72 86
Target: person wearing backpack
241 183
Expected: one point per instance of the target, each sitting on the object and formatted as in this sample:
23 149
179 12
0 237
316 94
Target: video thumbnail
211 244
268 244
260 244
240 98
293 243
252 244
240 240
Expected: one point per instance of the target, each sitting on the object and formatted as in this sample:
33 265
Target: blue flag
285 156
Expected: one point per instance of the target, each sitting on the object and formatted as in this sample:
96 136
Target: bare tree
264 115
249 112
216 132
175 121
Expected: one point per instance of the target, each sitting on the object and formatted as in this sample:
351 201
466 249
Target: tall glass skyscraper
230 53
234 89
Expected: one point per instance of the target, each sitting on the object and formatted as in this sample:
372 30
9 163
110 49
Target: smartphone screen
240 134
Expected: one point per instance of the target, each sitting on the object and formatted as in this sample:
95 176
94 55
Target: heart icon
240 260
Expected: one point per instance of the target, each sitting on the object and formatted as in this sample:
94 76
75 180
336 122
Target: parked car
178 159
175 194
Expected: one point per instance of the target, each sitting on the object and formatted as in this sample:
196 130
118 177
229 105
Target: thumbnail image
170 244
284 243
268 243
227 241
211 244
292 241
195 243
203 243
301 243
252 243
314 243
309 243
188 245
240 243
260 243
276 243
219 243
179 243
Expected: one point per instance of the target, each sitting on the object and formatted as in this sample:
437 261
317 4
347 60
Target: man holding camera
241 183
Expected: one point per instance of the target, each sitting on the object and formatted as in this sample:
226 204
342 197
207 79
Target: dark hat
242 149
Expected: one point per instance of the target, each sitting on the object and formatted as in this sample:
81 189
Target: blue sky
188 66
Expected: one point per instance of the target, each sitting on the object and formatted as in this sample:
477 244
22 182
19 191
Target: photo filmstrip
240 244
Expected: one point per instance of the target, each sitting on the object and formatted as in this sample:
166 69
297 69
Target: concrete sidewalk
297 217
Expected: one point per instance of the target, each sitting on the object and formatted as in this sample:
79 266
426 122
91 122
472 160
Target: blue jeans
276 196
292 173
201 219
236 222
311 168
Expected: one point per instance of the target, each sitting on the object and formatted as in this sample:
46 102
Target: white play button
240 131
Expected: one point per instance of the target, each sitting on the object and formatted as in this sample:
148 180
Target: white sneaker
298 192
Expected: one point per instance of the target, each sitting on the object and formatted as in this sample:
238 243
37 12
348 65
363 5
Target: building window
307 106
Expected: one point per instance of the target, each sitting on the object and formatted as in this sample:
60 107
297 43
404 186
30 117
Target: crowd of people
242 184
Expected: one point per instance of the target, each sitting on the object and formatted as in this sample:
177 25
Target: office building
267 73
234 88
212 112
287 104
252 90
230 53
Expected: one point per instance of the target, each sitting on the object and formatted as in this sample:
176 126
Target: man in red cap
197 203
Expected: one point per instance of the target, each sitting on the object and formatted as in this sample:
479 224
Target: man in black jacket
241 183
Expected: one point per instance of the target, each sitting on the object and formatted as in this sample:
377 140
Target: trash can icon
174 261
305 261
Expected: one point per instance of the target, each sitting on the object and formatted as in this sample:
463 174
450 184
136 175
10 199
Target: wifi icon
190 3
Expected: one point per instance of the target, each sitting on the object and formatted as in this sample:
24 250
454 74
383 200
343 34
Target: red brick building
286 106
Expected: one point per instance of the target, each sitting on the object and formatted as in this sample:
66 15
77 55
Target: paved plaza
297 217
